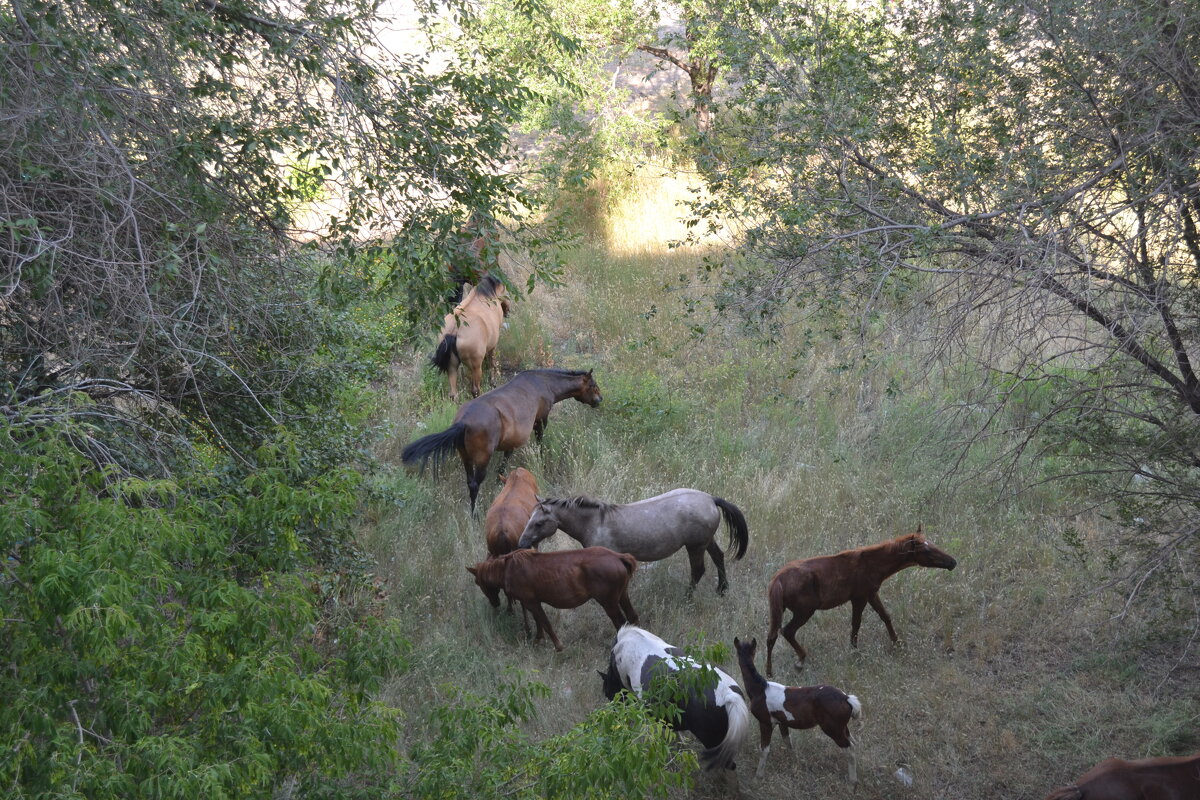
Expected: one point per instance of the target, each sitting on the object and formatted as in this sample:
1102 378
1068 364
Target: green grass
1011 680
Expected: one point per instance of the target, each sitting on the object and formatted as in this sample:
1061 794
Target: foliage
158 230
476 750
141 659
1021 177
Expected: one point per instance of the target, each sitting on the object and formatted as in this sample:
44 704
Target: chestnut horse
563 579
650 529
799 707
470 334
508 513
811 584
1169 778
503 420
714 708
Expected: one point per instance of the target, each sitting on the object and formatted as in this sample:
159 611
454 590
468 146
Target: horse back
566 578
1170 778
822 582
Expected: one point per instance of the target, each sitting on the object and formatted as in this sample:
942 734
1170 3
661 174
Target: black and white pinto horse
717 714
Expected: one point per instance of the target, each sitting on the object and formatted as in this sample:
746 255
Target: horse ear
590 372
472 570
918 527
539 499
736 643
753 643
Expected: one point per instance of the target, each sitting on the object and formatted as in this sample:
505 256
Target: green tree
1025 178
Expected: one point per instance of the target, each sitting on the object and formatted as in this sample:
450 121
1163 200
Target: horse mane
580 501
900 541
561 373
755 676
488 286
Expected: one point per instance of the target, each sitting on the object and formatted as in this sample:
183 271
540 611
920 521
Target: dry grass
1009 682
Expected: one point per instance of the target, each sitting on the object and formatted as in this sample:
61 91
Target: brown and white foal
799 707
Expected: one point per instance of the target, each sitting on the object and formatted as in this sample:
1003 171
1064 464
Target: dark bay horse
470 334
503 420
650 529
1168 778
714 708
563 579
798 707
811 584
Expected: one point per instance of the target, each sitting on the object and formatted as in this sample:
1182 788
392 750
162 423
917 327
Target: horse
503 419
470 334
811 584
711 705
650 529
563 579
799 707
471 250
1168 778
508 513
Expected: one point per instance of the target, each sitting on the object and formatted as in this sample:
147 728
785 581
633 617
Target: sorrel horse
503 420
799 707
563 579
650 529
508 513
817 584
1169 778
470 334
712 705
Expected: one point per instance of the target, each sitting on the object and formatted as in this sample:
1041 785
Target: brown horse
1169 778
799 707
508 513
470 334
502 420
563 579
811 584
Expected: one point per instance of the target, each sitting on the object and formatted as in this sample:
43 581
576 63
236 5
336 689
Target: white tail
855 706
738 712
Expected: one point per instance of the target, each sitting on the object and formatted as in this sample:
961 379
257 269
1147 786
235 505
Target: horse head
485 581
543 522
589 391
745 650
922 552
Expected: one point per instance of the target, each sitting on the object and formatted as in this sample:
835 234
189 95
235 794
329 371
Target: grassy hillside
1011 680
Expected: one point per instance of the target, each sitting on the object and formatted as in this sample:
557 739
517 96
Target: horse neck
560 387
885 561
576 522
756 684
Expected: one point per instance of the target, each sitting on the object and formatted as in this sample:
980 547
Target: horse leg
877 604
764 746
612 606
857 607
475 475
718 559
783 731
539 428
840 734
543 623
452 374
476 367
627 607
789 633
696 557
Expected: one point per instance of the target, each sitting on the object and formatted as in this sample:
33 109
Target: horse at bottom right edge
1166 778
808 585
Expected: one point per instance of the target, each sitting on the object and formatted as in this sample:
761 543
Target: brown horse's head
922 553
485 579
589 392
745 650
542 524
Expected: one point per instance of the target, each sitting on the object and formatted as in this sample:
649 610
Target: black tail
446 349
738 531
435 445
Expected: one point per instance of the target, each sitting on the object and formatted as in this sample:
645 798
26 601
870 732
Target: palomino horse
470 334
811 584
650 529
502 420
798 707
713 707
563 579
1169 778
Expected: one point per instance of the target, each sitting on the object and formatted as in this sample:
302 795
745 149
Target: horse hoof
799 666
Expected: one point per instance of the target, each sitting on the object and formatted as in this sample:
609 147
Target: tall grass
1009 682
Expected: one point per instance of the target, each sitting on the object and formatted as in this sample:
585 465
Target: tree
155 162
1023 175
